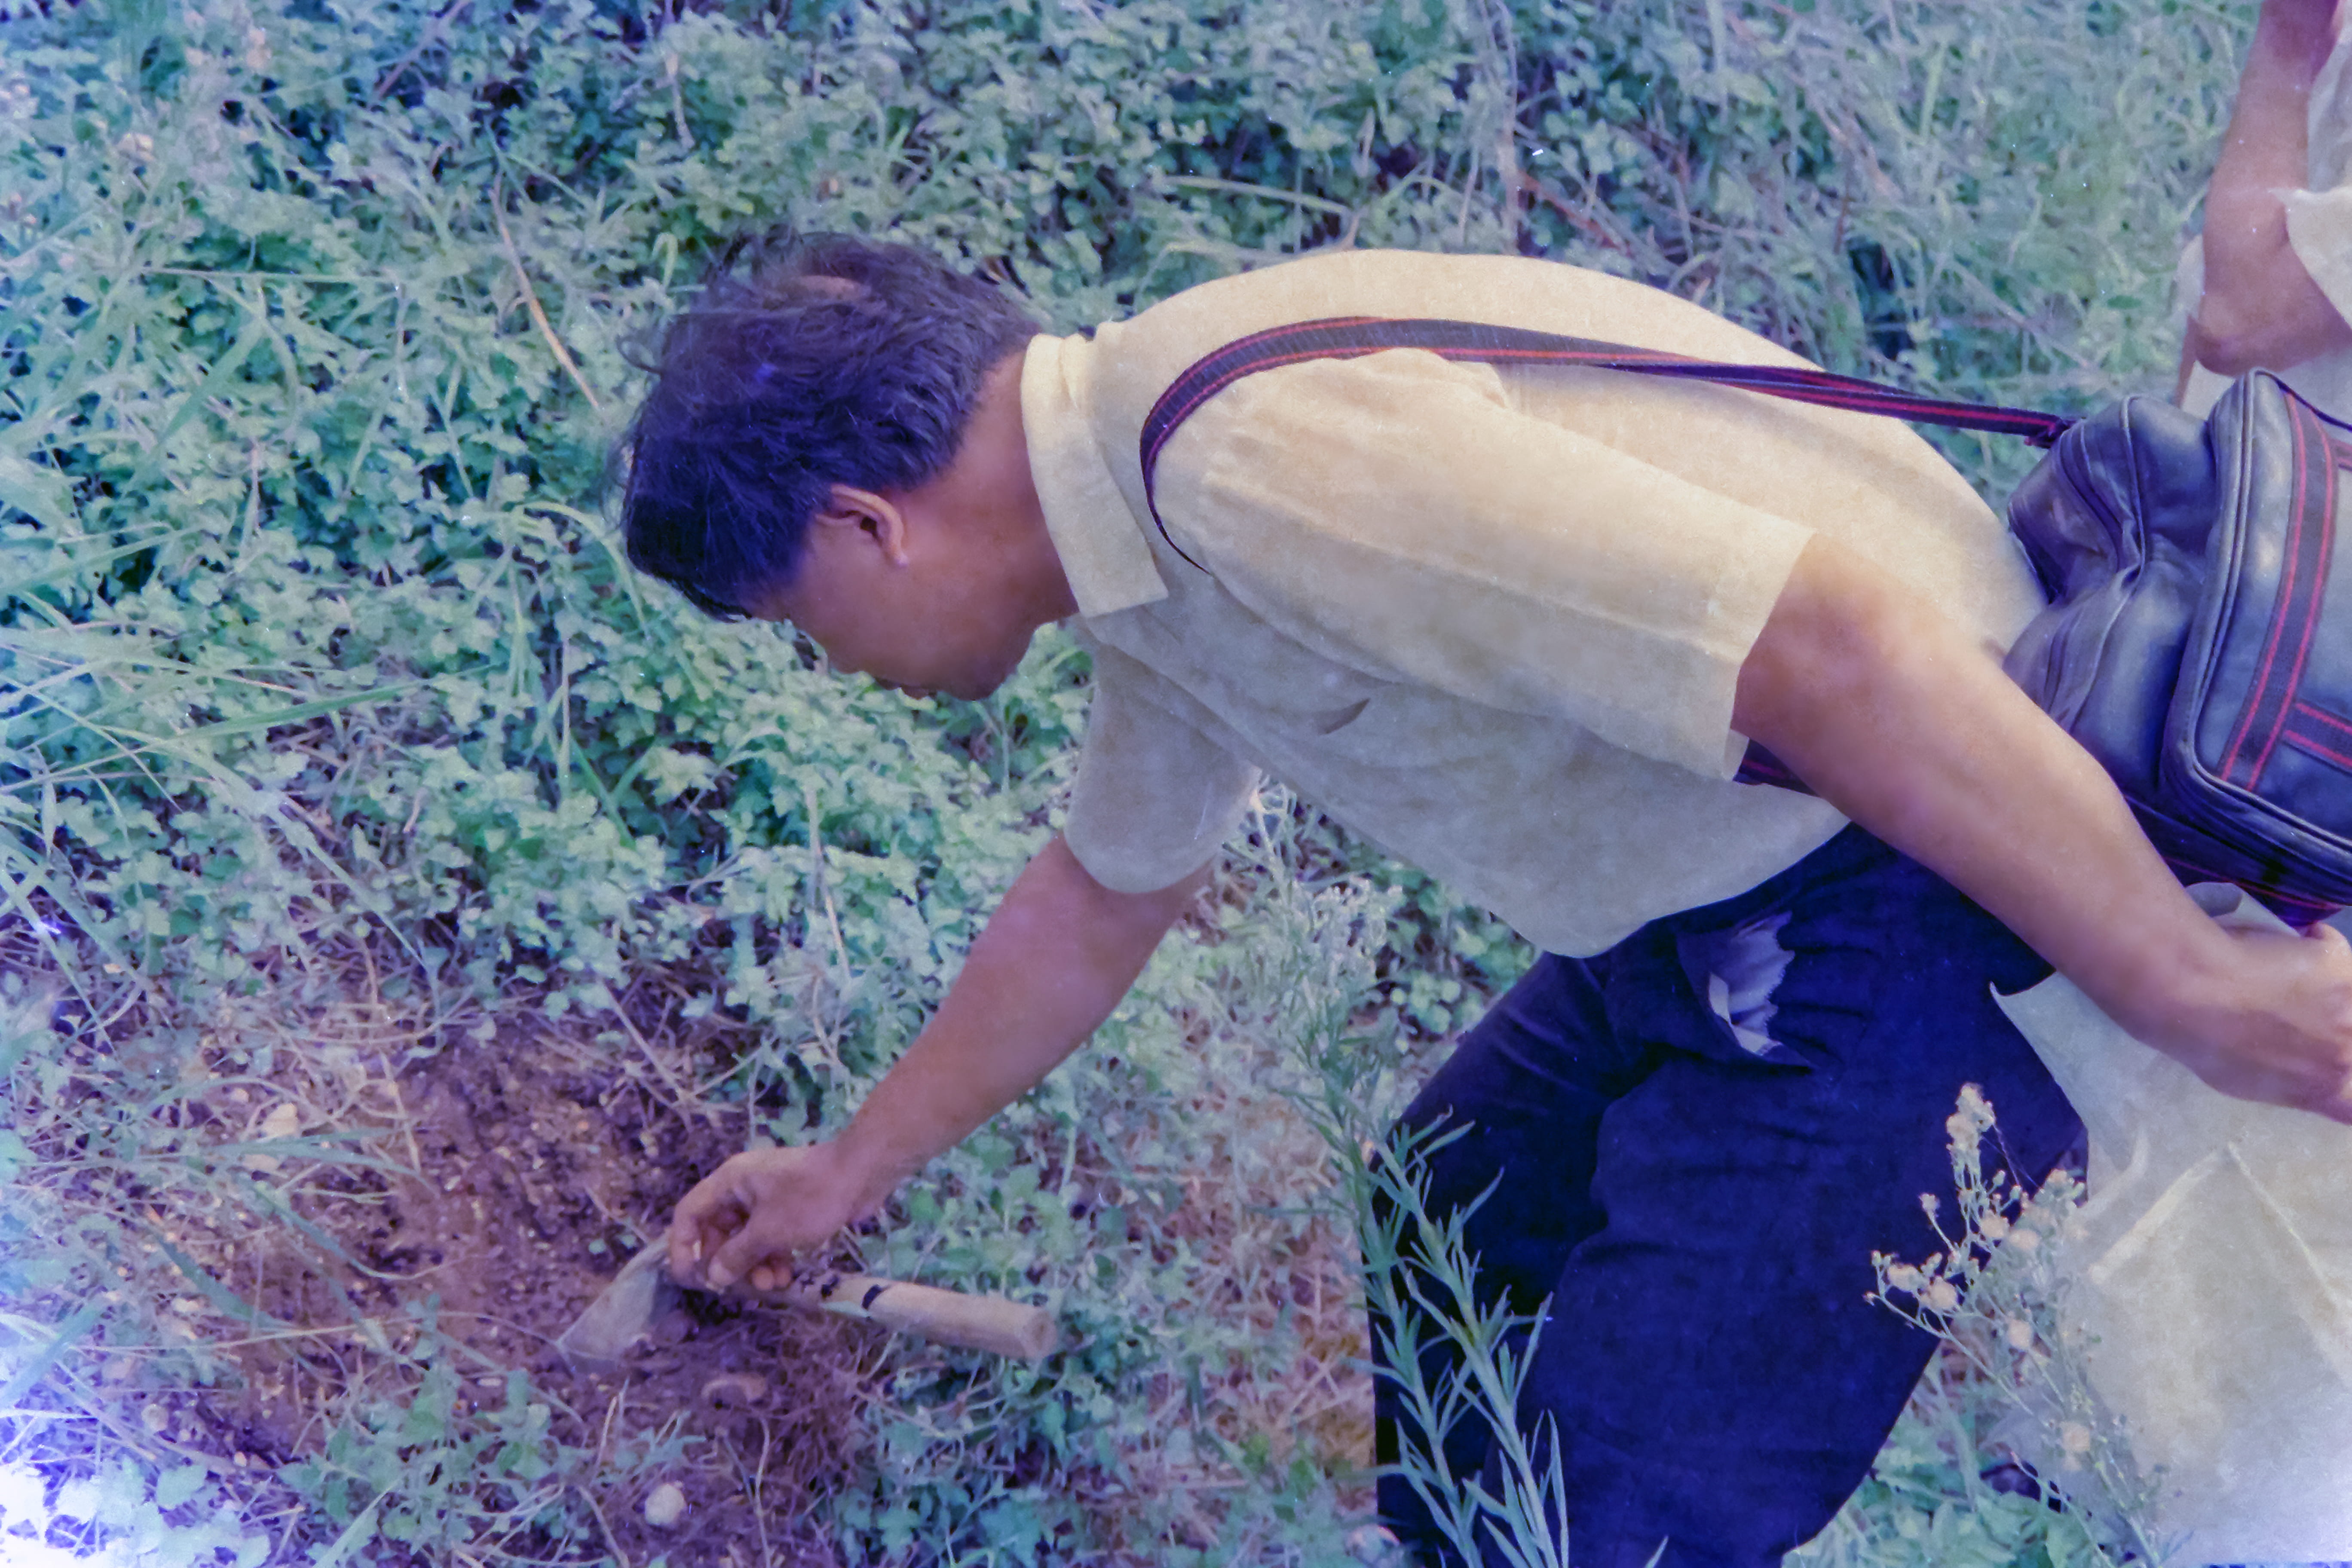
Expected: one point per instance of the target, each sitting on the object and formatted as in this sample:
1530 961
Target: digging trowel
643 1290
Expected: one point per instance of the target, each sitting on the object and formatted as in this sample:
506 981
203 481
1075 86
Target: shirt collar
1103 552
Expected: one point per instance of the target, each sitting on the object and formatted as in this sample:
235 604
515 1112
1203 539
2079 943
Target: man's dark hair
807 361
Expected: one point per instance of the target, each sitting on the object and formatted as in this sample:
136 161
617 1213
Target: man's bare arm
1055 958
1898 718
2261 306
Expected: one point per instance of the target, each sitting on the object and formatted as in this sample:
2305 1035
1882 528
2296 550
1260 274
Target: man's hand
2287 1037
1056 957
1894 715
747 1218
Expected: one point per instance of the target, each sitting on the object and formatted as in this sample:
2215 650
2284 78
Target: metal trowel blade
614 1320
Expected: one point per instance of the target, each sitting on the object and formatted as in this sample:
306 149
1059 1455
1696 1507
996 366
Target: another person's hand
748 1218
2259 305
2275 1026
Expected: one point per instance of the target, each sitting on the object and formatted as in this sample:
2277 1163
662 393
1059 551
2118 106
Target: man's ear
867 512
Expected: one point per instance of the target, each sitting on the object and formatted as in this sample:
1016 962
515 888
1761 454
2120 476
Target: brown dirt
501 1180
542 1178
532 1168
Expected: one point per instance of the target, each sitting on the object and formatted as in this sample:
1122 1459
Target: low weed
2012 1397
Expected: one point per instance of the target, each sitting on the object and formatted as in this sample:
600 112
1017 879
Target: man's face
928 620
938 588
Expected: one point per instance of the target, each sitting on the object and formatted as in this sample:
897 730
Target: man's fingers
703 1201
2334 1102
714 1208
741 1254
681 1251
2297 1087
728 1264
750 1215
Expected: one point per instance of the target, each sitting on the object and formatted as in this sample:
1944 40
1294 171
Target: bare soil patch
540 1175
518 1172
322 1213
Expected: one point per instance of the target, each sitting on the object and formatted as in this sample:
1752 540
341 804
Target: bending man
1518 627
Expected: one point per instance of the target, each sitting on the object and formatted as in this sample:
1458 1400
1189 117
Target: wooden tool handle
950 1317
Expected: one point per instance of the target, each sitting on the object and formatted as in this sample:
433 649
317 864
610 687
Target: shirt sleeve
1154 796
1397 512
2319 228
2319 217
2319 220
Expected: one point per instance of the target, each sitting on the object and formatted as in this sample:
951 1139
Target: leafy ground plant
400 901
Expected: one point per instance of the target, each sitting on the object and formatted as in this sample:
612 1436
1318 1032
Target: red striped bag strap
1352 337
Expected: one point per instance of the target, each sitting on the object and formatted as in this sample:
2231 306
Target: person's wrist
2182 985
858 1173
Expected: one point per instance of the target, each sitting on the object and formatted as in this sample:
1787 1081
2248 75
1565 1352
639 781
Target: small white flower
1993 1226
136 145
1965 1125
2020 1334
1940 1296
257 50
2025 1238
2074 1437
1906 1276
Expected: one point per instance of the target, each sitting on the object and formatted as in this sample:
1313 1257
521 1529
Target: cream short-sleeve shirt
1491 619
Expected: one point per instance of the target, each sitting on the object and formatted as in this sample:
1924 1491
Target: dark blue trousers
1700 1211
